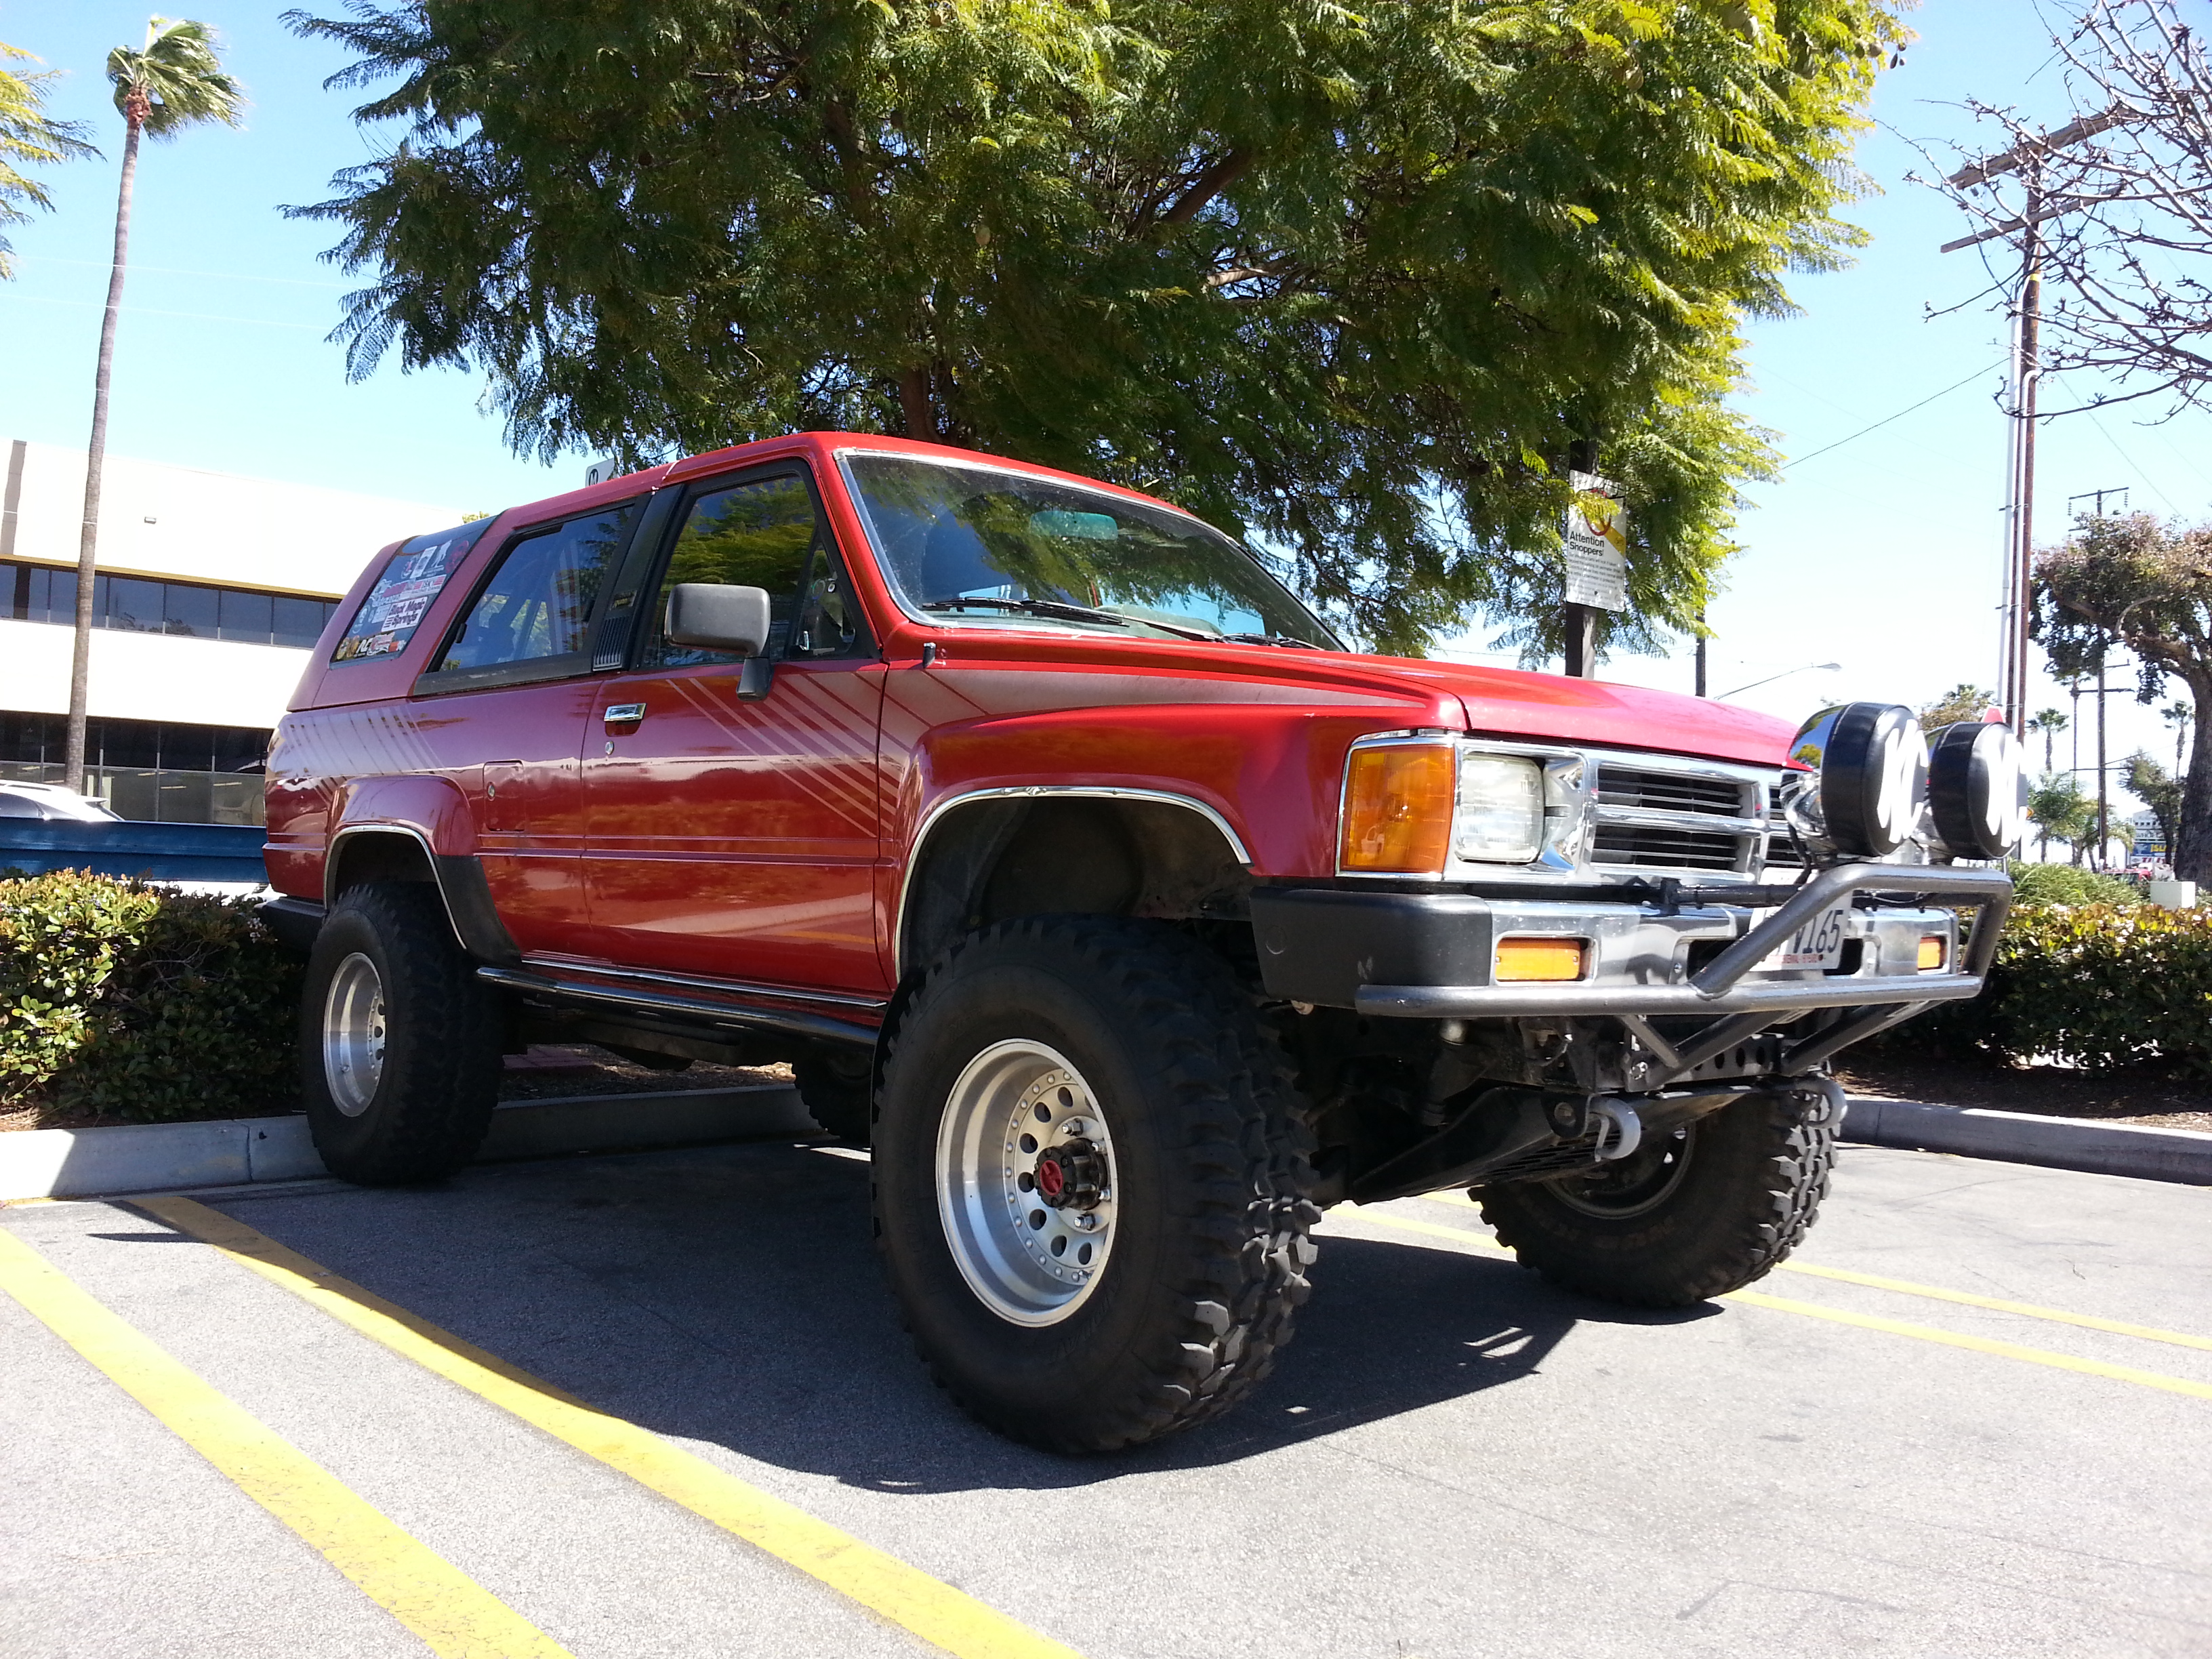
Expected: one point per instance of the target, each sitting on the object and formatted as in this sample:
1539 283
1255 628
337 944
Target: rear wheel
1689 1215
837 1087
399 1046
1091 1181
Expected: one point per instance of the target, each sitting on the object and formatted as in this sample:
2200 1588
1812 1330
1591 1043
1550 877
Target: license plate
1818 944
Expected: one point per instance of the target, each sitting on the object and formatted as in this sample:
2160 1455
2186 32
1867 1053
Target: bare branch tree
2116 205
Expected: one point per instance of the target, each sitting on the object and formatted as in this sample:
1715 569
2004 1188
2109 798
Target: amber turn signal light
1398 809
1541 958
1931 952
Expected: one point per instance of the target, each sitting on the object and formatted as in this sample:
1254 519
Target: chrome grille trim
1661 815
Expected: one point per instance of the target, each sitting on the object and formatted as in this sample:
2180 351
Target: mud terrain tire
1207 1173
410 1098
1751 1179
837 1087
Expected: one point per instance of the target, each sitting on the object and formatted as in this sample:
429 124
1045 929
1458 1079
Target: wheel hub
1071 1176
353 1035
1025 1182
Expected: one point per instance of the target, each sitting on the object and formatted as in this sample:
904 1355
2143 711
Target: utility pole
1701 653
2025 157
2104 810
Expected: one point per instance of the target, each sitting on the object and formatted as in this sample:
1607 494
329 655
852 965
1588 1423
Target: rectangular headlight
1500 817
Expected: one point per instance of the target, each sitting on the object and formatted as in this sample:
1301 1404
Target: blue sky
1881 554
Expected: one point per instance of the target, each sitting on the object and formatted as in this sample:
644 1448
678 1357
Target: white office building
211 590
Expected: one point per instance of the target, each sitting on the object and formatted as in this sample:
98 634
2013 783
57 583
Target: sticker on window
404 593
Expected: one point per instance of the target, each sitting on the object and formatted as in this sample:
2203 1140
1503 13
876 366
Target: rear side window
539 599
418 573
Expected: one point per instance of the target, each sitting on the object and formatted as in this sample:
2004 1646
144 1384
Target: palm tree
173 81
2180 716
29 137
2050 722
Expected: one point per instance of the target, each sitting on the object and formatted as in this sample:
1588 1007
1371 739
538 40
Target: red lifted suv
1077 867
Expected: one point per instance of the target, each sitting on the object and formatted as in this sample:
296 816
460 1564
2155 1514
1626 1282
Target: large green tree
2129 580
29 137
1361 285
175 80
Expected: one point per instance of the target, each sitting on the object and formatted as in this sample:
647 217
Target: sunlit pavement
1453 1459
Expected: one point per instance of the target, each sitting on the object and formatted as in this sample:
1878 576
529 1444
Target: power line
1899 415
148 311
2131 460
173 271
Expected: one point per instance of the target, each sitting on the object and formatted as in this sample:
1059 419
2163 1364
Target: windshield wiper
1274 639
1071 612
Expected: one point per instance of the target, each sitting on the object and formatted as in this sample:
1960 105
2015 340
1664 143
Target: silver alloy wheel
353 1035
1025 1182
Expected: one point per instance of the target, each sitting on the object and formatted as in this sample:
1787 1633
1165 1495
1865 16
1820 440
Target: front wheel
1091 1181
1689 1215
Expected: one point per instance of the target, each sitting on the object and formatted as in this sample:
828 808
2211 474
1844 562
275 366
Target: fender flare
941 810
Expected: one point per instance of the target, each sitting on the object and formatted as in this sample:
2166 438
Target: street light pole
1801 668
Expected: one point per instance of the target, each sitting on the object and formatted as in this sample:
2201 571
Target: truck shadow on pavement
732 1295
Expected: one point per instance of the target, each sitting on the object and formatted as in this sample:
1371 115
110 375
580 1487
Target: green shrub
2097 985
2067 884
126 1000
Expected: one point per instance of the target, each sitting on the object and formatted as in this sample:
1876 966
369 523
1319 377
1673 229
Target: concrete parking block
2054 1143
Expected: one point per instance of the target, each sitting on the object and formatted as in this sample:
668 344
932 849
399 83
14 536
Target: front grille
1664 849
1674 819
1669 792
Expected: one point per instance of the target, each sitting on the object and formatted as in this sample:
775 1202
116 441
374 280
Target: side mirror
715 616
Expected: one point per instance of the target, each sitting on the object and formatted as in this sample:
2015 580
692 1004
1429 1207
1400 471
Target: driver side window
765 533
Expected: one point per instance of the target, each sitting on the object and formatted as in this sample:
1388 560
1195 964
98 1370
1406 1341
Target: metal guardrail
152 851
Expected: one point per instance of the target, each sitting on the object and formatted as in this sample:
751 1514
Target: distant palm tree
2180 716
173 81
29 137
2050 722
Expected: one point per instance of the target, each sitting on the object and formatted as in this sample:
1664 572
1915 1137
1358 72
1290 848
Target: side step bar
820 1027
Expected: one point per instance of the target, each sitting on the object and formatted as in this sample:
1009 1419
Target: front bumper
1430 954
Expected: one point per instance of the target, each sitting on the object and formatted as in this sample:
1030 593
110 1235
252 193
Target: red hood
1507 702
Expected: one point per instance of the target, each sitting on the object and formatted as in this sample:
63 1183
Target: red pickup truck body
803 812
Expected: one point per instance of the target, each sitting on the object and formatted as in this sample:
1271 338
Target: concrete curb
2056 1143
234 1152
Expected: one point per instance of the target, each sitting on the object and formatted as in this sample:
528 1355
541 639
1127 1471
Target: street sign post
1596 548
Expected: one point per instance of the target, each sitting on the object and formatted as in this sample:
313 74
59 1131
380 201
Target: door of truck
731 808
504 706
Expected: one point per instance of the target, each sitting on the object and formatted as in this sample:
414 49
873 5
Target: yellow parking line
456 1617
2064 1362
1965 1298
1866 1322
934 1611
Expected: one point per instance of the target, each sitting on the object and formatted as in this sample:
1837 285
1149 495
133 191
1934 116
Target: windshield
985 546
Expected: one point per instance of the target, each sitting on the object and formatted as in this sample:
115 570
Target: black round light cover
1977 791
1873 775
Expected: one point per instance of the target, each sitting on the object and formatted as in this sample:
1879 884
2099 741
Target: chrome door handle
624 714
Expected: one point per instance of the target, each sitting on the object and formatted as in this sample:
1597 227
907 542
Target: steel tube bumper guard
1325 946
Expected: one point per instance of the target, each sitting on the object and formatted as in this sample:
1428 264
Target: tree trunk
95 456
2191 849
916 407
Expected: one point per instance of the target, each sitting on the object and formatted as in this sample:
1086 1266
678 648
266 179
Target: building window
137 604
161 770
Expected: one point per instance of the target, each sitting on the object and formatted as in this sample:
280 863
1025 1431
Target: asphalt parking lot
1454 1460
